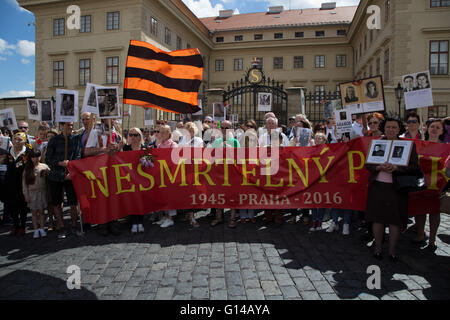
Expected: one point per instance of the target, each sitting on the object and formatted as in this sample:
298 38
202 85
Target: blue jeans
246 213
347 215
317 214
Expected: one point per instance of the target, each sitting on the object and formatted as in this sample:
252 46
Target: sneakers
160 222
333 227
134 228
346 229
167 223
36 234
42 233
140 228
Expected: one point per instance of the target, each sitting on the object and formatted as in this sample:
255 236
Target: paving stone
217 283
183 288
309 295
323 287
219 295
270 288
200 293
164 293
303 284
255 294
284 280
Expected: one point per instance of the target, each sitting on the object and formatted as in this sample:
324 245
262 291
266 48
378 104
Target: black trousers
19 215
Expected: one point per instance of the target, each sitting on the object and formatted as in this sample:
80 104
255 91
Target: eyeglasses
23 127
156 131
412 121
225 128
208 121
134 134
373 122
249 126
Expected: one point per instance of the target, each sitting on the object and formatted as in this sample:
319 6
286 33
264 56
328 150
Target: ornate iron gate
242 97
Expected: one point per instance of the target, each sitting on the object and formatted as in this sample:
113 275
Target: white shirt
357 129
92 141
195 142
14 155
331 132
265 139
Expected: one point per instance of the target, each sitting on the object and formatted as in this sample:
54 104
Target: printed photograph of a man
378 150
68 105
343 115
398 152
350 95
408 83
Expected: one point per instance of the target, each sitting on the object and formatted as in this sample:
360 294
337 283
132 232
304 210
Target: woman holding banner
435 133
136 142
385 205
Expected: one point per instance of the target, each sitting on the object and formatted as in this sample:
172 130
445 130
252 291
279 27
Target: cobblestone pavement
253 261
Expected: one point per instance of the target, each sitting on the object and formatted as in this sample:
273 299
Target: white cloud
5 47
25 61
203 8
25 48
14 93
16 5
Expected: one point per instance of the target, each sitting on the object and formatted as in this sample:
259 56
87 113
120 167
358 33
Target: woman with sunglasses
135 142
374 120
435 133
413 127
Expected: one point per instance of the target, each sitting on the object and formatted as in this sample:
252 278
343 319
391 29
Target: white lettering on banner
74 280
374 20
374 281
74 20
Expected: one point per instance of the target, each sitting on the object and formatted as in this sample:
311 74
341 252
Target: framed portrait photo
400 152
264 101
33 109
8 118
66 105
108 102
46 110
379 151
90 99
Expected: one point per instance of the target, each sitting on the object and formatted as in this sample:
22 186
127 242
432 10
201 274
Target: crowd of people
34 176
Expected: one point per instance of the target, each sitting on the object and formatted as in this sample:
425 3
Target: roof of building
286 18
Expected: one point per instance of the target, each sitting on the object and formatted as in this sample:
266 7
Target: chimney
225 13
328 6
277 9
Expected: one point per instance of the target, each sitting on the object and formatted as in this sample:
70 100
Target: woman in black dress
15 204
385 205
136 142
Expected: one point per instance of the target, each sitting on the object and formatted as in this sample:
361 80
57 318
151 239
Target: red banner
325 176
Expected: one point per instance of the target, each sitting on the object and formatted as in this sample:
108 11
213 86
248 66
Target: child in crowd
34 190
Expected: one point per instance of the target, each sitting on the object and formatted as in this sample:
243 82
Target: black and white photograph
363 96
219 111
417 90
108 102
379 151
264 101
66 106
401 152
4 143
8 118
46 110
33 109
342 115
397 152
371 90
90 99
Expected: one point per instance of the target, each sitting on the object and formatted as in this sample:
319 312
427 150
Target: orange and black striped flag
168 81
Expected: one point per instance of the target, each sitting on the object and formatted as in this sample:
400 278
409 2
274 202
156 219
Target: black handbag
410 183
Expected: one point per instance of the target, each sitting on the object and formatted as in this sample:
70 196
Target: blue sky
17 38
